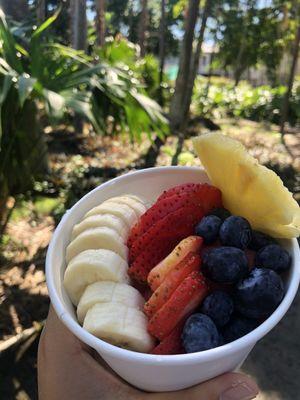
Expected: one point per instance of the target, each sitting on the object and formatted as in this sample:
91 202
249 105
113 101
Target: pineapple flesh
248 188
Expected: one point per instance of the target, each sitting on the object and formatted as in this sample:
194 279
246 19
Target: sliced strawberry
203 195
184 300
144 289
157 274
179 189
179 223
156 212
172 343
180 271
149 257
211 197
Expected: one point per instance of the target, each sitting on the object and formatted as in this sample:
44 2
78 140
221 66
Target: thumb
230 386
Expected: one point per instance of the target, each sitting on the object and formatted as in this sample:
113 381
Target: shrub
261 103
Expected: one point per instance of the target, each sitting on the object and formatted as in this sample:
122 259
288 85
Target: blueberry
218 306
238 327
258 295
208 228
224 264
199 333
274 257
236 231
260 240
221 213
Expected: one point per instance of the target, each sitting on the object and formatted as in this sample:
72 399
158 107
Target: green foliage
253 33
124 55
259 104
38 74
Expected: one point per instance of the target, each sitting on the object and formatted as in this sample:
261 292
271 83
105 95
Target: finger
230 386
55 328
68 346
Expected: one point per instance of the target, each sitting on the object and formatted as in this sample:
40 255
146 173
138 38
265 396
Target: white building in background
256 76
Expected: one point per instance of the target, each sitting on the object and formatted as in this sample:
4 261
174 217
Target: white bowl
146 371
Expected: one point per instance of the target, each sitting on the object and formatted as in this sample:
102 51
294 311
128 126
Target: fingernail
240 391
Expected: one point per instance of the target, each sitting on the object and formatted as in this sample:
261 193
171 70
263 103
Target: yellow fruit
248 188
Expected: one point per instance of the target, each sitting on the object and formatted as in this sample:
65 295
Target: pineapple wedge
248 188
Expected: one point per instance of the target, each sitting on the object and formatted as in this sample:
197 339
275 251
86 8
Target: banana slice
91 266
137 206
119 325
97 221
108 292
97 238
122 211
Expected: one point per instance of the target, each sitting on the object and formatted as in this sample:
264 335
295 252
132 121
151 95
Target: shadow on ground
275 360
18 371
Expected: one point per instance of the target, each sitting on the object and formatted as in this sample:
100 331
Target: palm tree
100 22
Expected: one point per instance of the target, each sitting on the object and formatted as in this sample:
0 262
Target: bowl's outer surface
151 372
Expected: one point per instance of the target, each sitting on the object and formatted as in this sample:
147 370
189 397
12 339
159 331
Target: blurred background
92 89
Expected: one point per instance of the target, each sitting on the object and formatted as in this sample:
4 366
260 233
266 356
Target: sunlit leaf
25 87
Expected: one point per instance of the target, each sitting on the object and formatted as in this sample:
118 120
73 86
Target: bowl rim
151 359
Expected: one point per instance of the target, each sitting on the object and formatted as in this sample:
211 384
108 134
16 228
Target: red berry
179 189
184 300
172 343
149 257
191 244
175 276
204 195
178 224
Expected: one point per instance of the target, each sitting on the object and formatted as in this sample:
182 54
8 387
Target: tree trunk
16 9
237 75
100 22
162 52
143 26
212 56
176 108
41 11
78 24
285 104
240 67
195 65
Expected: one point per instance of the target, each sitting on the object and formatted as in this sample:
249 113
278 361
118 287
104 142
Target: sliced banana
119 325
137 206
122 211
91 266
97 238
106 292
97 221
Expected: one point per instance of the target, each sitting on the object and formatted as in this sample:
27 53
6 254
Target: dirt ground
79 164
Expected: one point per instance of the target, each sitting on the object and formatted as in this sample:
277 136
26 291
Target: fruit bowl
146 371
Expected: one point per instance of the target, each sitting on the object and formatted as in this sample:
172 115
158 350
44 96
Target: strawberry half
191 244
180 271
172 343
178 224
179 189
184 300
203 195
211 197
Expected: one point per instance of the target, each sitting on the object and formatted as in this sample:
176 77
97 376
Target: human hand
69 370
